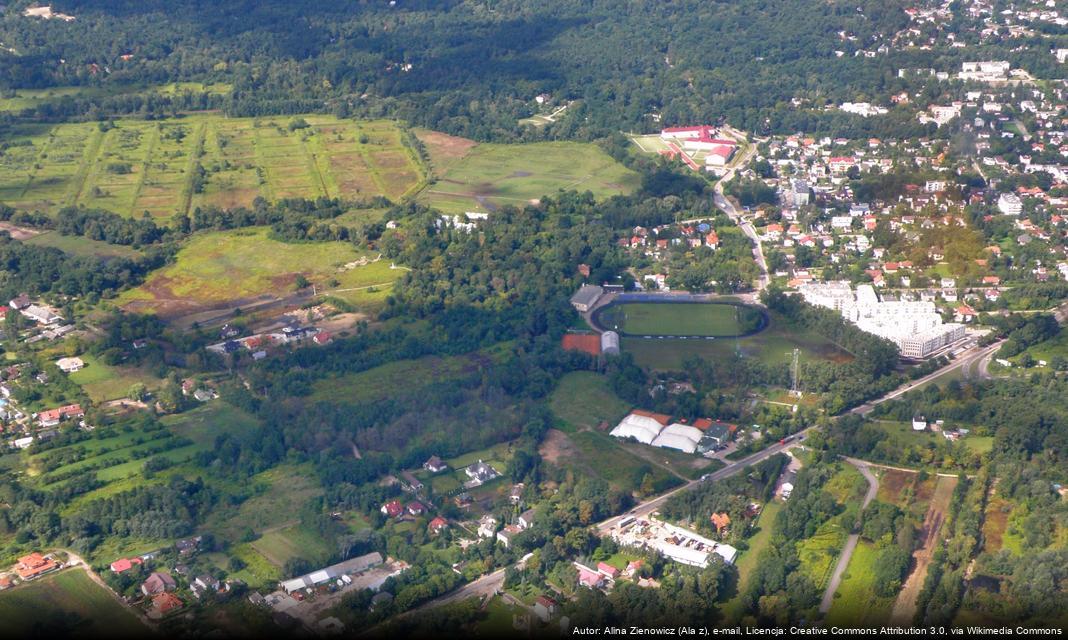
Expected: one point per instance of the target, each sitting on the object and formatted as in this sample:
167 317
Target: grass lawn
82 246
583 399
202 424
747 560
855 602
773 346
292 542
70 601
603 456
221 268
384 381
488 176
140 165
105 382
678 319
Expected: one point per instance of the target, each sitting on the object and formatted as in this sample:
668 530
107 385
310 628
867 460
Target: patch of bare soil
905 606
556 446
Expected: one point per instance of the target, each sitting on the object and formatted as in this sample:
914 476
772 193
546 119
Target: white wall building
915 327
1010 204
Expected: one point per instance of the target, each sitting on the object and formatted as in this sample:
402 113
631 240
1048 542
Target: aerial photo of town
530 318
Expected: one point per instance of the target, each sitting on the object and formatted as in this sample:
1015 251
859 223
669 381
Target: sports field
66 603
489 176
680 319
172 166
238 267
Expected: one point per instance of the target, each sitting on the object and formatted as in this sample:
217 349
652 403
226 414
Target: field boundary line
40 159
194 159
92 150
149 150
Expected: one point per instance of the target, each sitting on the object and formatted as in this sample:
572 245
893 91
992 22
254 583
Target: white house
919 423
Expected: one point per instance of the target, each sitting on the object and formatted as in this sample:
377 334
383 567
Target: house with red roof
164 604
392 509
438 524
587 577
659 417
124 564
52 417
607 570
321 338
34 565
416 508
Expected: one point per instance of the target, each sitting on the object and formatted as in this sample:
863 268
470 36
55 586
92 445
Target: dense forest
471 70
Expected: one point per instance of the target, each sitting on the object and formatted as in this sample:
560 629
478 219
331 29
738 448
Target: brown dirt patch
892 482
994 524
17 232
556 446
905 605
444 150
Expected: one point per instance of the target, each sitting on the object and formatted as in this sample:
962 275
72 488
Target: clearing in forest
489 176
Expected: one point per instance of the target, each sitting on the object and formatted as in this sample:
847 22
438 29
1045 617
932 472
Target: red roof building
393 508
438 524
607 570
124 564
165 603
33 565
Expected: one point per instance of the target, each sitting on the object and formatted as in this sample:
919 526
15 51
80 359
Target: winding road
854 538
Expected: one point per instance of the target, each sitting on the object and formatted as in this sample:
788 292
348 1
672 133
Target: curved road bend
854 538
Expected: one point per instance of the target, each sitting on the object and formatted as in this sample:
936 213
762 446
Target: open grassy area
82 246
747 560
383 381
583 400
281 545
237 267
678 319
151 166
855 602
603 456
901 435
488 176
69 601
278 492
104 382
774 346
819 552
202 424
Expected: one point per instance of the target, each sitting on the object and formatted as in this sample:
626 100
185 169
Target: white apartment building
915 327
1010 204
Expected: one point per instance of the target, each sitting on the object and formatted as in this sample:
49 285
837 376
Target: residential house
188 546
416 508
526 519
721 521
438 524
34 565
53 417
70 365
411 483
545 608
158 582
587 577
124 564
919 423
435 465
204 583
164 604
607 570
786 484
507 534
392 509
487 527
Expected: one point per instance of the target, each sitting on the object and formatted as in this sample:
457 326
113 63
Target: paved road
854 538
746 226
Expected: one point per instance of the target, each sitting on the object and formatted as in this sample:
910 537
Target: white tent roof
640 428
679 436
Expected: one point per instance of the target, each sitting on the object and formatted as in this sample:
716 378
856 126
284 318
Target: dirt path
905 606
852 540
